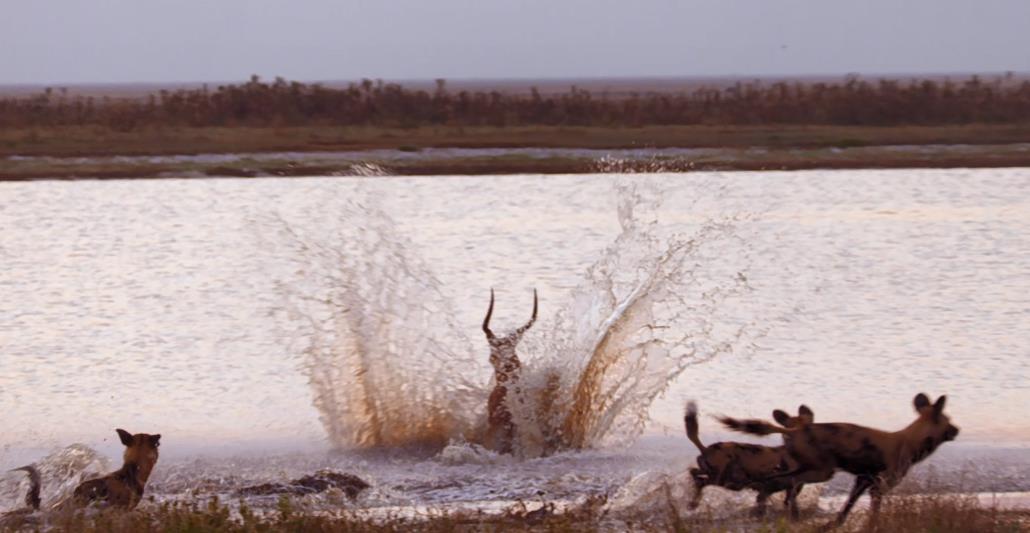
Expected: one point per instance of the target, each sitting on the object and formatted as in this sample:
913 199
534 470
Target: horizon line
544 79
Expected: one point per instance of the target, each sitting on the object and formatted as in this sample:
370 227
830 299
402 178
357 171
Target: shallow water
374 162
154 306
358 156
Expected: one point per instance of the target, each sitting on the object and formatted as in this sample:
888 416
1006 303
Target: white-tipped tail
690 423
32 498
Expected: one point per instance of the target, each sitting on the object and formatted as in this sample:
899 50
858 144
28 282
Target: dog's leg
761 502
861 484
875 498
699 485
790 501
876 492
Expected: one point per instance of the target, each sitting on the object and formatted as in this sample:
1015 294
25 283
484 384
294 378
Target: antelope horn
486 321
532 319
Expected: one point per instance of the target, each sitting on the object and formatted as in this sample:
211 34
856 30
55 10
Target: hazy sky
68 41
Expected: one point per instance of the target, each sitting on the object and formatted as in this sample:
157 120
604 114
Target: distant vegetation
281 103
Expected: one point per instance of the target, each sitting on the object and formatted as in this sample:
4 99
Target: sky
87 41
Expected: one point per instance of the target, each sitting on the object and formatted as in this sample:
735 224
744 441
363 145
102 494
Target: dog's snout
951 433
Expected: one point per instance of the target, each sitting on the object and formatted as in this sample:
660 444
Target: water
178 306
389 365
358 156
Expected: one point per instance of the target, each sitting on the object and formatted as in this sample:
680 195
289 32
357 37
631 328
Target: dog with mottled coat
738 465
878 459
122 488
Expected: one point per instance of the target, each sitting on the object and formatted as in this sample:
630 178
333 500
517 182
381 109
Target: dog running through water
122 488
737 465
878 459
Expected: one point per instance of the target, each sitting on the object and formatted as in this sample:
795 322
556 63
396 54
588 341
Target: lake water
165 306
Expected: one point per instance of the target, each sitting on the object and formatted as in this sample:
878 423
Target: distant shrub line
853 101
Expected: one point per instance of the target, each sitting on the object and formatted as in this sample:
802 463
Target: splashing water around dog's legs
388 364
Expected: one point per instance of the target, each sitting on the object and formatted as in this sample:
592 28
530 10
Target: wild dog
737 465
878 459
122 488
500 434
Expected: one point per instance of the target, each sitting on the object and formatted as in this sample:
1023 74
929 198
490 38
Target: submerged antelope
500 433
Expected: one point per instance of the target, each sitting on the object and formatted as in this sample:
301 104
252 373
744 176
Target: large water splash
648 308
382 353
388 364
60 472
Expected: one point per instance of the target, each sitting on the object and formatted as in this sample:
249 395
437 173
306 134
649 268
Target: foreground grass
938 513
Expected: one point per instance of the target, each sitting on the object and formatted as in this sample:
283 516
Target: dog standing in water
738 465
500 433
122 488
878 459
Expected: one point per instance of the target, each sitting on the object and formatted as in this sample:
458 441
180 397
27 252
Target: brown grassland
852 102
282 116
80 141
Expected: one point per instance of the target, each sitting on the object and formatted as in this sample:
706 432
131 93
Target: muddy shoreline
487 161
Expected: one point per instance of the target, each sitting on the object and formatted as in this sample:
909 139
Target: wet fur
737 465
878 459
122 488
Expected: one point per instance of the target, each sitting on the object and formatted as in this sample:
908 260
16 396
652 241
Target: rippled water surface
158 306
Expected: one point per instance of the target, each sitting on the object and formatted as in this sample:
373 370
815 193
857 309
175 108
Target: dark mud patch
322 481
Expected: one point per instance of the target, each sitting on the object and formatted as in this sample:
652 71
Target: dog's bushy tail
32 498
690 422
752 426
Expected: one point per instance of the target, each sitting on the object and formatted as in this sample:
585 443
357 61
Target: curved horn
532 319
486 321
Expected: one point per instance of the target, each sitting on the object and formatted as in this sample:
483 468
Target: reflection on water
154 306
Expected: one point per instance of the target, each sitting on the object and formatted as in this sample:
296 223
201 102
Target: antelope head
502 349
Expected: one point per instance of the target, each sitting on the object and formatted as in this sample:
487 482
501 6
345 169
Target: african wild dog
124 487
121 488
878 459
500 434
737 465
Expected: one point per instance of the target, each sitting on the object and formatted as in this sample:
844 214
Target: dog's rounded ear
125 436
155 440
806 413
921 401
781 417
938 406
